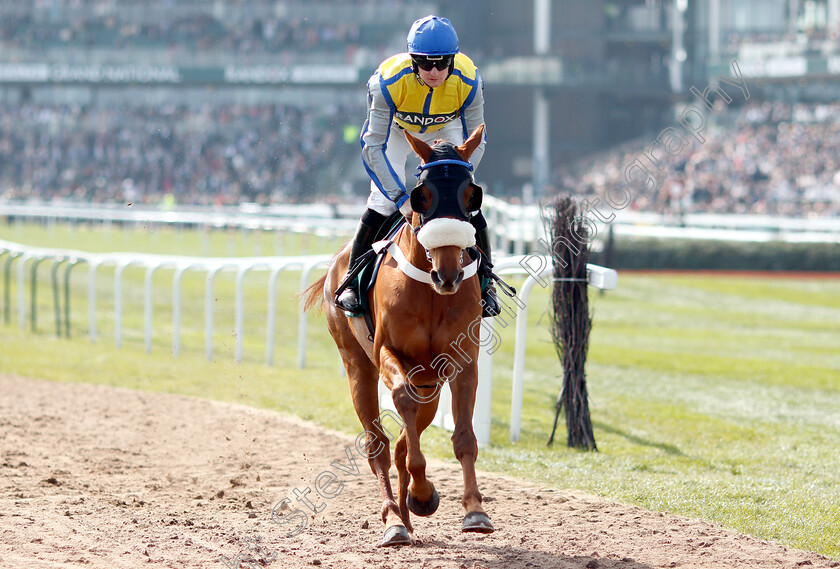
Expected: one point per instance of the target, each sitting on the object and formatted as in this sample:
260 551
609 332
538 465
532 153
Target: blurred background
224 102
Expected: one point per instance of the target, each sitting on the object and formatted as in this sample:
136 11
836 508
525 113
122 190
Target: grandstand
227 101
199 32
195 102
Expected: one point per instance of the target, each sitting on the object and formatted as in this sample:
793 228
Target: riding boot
489 300
368 227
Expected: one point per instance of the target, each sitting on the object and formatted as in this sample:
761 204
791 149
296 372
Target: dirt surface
101 477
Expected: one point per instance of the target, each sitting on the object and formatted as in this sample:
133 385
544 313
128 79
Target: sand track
96 476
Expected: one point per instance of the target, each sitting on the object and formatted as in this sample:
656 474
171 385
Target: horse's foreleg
420 493
366 402
363 378
466 451
400 455
409 500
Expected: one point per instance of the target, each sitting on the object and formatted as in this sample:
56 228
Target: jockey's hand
406 210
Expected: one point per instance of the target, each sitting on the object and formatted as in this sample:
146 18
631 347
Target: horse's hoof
394 536
478 522
427 508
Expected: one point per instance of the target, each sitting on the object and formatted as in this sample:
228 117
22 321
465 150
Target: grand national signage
34 73
70 73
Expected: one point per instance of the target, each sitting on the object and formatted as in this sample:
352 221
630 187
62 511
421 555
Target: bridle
440 177
444 196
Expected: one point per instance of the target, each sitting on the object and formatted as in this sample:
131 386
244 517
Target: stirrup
347 283
348 308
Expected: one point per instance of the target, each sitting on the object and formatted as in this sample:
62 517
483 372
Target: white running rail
210 266
538 268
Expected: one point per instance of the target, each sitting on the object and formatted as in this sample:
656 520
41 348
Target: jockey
435 92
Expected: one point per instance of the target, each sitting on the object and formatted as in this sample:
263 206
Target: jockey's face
434 77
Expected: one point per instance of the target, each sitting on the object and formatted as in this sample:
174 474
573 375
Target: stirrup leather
350 277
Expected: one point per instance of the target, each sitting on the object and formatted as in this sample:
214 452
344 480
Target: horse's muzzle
447 282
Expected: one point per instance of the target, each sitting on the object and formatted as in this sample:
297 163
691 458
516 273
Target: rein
410 270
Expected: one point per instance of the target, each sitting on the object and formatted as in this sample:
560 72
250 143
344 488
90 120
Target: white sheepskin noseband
446 232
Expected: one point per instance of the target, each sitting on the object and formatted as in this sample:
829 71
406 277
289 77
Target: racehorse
421 325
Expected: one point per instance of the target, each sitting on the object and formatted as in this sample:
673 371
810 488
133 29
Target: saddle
367 266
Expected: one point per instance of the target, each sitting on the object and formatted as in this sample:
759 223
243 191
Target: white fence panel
211 266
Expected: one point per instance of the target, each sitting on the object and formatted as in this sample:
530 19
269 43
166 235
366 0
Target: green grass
711 396
150 238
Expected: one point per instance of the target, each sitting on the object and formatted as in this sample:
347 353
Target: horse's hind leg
466 451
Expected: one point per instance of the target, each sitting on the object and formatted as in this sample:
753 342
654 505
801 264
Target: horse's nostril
459 278
435 277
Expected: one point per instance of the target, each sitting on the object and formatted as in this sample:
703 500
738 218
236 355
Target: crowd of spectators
187 34
810 41
73 4
770 158
220 154
217 155
182 29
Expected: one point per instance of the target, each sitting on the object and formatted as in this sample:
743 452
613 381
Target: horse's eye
425 199
421 199
468 198
472 197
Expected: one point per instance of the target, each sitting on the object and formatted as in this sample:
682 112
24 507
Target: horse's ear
423 150
466 150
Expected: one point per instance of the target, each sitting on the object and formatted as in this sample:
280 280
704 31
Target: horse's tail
314 294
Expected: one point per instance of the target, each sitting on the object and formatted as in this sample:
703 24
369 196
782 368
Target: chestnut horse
417 322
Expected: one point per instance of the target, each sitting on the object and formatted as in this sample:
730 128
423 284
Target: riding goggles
426 63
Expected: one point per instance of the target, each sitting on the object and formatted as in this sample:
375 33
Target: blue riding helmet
432 36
